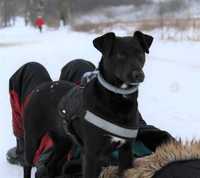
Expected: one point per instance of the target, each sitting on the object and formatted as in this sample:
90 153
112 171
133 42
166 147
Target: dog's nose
138 76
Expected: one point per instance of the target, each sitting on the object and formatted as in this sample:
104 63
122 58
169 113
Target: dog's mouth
135 83
127 85
130 82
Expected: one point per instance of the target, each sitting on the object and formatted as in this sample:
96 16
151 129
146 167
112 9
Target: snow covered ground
169 97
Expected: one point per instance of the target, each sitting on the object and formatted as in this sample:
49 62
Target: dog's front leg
91 166
125 157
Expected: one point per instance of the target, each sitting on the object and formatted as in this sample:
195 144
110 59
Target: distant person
39 22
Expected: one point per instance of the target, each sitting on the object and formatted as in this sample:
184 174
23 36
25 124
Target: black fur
122 61
41 117
74 70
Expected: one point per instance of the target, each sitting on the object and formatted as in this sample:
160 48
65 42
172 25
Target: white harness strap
110 127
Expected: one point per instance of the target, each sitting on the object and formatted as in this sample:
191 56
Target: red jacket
39 22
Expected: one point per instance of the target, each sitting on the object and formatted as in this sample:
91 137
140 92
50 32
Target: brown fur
164 155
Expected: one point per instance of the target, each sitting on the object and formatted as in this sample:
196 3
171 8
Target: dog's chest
111 119
126 120
119 113
117 141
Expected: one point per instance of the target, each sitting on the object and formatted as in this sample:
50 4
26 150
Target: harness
88 76
97 121
110 127
116 90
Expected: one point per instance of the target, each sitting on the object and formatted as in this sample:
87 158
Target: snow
169 97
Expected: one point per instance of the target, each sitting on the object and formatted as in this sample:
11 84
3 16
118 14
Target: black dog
104 115
40 116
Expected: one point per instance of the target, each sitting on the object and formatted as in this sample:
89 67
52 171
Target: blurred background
169 16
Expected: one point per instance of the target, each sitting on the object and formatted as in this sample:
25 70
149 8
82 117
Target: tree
81 6
7 9
171 6
64 7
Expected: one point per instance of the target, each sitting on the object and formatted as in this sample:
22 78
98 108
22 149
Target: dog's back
40 116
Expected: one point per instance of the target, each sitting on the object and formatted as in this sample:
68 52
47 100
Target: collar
114 89
110 127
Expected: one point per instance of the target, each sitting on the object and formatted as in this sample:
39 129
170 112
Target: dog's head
123 58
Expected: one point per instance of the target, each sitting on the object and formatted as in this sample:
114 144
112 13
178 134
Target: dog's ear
104 43
144 40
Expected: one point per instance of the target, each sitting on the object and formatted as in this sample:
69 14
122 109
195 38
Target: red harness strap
45 144
16 114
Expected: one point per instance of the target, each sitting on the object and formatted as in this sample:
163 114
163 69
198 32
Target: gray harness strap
110 127
115 89
88 76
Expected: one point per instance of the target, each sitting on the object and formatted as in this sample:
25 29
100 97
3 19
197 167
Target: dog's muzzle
137 77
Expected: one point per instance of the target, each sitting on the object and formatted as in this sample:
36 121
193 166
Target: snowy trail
169 97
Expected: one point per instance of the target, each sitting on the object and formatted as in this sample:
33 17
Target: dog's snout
138 76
